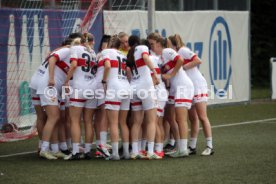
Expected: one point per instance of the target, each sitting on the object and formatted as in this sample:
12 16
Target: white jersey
170 57
40 79
117 79
157 63
84 75
141 75
193 73
100 70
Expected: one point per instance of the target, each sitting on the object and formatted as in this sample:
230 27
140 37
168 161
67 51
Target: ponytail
176 41
133 41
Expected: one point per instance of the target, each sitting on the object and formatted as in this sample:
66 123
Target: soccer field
245 152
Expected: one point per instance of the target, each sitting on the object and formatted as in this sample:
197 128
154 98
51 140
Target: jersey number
121 71
88 67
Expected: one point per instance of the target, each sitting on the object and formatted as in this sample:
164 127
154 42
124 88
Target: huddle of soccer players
147 90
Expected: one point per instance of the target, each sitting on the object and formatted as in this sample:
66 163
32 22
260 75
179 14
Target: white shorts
62 105
200 94
86 103
35 97
138 104
181 96
79 100
45 100
160 108
100 102
117 104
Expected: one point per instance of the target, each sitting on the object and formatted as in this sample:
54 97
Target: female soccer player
199 108
117 96
181 88
101 123
82 99
46 86
144 97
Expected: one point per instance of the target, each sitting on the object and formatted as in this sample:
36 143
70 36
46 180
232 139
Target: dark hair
133 41
75 35
105 39
145 42
70 38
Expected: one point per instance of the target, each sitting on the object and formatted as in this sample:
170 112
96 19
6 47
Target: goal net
31 29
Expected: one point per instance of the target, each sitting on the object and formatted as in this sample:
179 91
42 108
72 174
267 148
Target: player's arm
195 62
151 67
73 67
52 63
178 65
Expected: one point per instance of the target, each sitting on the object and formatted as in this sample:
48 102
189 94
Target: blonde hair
176 41
76 41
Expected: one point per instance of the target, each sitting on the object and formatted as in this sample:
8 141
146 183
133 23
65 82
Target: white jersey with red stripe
157 63
84 75
193 73
181 86
40 79
141 75
117 79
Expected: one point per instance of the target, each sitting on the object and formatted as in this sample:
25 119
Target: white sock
126 148
55 148
45 146
139 145
39 144
192 142
63 146
144 145
115 150
69 143
103 137
98 142
135 148
87 148
159 147
172 142
209 142
183 145
76 148
150 147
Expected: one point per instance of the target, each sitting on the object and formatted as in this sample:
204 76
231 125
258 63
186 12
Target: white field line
216 126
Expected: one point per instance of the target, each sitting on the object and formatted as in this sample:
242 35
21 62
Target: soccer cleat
88 156
169 152
77 156
168 147
178 154
137 156
113 157
47 155
192 151
153 156
103 150
59 154
108 146
161 154
66 152
98 154
208 151
143 152
125 156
